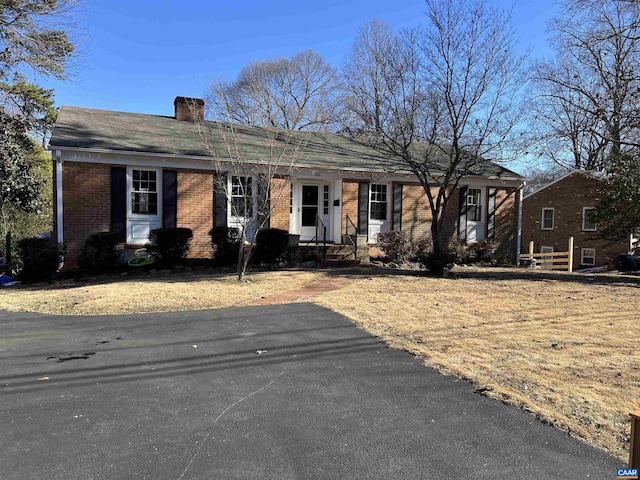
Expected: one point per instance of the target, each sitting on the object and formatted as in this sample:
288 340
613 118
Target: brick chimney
189 109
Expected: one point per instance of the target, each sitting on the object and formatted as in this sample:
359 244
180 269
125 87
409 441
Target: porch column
336 211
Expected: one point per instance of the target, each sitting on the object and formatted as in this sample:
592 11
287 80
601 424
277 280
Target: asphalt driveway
279 392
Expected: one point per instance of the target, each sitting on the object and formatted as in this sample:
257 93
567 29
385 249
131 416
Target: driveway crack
186 469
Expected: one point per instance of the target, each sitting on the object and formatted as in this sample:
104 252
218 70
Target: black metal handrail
321 233
351 238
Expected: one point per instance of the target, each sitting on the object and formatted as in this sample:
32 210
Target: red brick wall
195 209
507 222
416 213
280 198
349 202
567 197
87 205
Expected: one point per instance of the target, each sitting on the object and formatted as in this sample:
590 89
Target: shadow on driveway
277 392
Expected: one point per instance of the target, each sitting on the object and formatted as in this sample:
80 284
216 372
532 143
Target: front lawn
563 346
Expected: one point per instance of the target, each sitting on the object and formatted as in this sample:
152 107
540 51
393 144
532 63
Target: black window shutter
220 200
169 198
397 206
119 203
363 208
462 223
264 201
491 215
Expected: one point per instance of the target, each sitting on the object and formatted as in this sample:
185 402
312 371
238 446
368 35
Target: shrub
98 253
224 241
40 258
435 263
396 245
271 244
481 251
170 245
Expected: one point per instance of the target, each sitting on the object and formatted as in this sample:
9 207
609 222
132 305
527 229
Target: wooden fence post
531 248
634 451
571 254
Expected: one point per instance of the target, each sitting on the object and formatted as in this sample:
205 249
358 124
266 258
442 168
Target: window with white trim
588 225
588 257
474 205
144 192
378 201
547 219
241 196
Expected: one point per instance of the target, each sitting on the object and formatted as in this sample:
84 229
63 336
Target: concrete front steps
336 256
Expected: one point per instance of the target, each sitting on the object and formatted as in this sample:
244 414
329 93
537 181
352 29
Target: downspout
59 216
519 236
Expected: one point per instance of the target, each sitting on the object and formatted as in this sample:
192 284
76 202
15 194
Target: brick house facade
560 210
129 173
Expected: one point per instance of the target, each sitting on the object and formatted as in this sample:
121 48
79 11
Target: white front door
475 215
379 210
312 204
309 207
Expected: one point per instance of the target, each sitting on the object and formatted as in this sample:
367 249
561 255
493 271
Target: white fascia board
161 160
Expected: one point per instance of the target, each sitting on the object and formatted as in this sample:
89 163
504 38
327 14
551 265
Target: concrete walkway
274 392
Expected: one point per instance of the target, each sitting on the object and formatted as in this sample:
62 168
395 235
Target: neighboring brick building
129 173
560 210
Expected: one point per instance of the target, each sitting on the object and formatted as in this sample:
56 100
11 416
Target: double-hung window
588 225
144 192
378 201
588 257
547 219
474 205
241 196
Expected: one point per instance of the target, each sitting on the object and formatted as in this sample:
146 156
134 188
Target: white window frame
553 218
237 218
474 193
157 191
387 203
584 220
546 249
234 221
583 256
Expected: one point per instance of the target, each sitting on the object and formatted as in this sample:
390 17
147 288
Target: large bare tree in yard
297 93
438 100
586 101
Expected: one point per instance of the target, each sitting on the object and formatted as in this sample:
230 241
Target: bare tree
588 98
561 128
443 100
297 93
252 165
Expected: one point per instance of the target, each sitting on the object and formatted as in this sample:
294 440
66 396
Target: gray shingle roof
88 128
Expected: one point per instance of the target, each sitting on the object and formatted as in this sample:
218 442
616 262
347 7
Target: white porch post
336 211
59 216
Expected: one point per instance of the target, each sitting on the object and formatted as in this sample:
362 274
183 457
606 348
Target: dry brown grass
155 292
559 345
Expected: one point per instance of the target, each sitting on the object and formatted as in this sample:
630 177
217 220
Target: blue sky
138 55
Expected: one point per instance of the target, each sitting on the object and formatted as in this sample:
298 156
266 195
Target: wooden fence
552 260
